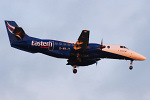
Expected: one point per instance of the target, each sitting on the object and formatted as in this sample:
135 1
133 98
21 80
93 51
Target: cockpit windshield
123 47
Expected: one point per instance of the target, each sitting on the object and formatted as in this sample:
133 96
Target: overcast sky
26 76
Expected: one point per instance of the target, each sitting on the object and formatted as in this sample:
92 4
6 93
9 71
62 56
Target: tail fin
15 32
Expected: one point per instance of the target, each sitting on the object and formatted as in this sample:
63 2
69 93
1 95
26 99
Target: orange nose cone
141 57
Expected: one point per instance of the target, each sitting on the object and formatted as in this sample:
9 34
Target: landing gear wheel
131 67
74 71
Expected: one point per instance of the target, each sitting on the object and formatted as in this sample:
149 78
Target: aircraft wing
76 55
83 41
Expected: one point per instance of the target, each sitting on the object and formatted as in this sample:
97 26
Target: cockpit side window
108 47
123 47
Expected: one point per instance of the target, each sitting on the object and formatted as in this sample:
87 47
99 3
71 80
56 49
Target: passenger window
64 43
56 43
108 47
60 43
69 44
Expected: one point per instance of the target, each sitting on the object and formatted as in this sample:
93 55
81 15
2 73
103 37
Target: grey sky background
25 76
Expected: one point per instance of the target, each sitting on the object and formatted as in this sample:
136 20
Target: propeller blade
102 41
102 46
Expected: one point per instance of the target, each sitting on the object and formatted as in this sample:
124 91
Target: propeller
102 46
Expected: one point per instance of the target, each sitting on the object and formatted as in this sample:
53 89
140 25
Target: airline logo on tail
17 31
10 28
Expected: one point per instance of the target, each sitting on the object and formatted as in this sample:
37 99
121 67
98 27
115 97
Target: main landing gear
74 69
131 67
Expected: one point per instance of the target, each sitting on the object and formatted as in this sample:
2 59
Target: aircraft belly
57 53
114 55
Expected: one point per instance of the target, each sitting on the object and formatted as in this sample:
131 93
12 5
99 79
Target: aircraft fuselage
61 49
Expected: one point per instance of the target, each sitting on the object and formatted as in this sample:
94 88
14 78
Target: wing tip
85 31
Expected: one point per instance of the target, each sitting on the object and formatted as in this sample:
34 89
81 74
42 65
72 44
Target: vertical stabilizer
15 33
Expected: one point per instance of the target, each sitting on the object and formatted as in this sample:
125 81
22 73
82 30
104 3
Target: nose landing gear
131 67
74 69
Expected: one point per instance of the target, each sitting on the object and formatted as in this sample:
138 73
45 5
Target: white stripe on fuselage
123 52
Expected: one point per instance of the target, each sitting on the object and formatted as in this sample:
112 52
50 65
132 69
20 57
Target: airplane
80 53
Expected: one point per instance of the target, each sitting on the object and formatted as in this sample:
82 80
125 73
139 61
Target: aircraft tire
74 71
131 67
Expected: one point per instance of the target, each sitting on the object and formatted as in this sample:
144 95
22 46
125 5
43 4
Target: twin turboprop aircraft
81 53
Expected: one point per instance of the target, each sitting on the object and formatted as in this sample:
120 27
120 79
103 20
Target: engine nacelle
83 63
